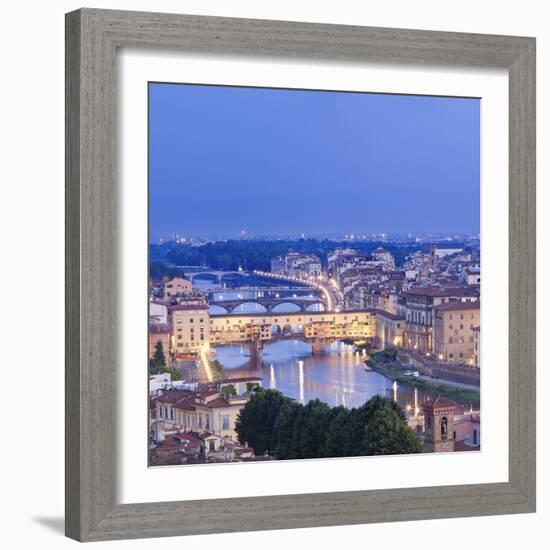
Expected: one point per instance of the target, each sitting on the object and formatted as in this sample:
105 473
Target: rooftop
458 306
441 291
389 315
240 379
439 403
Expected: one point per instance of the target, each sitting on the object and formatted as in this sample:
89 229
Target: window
450 327
443 426
225 422
461 355
450 339
461 327
451 355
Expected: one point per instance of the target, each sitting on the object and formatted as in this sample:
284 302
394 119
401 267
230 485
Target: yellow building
176 287
453 335
357 325
234 330
389 329
190 328
209 411
476 332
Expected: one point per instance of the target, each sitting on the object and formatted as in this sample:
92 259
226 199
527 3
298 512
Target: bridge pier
256 347
319 345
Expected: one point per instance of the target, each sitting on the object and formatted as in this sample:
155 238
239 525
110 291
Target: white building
382 255
158 313
296 264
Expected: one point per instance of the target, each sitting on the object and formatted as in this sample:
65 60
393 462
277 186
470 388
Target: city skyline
375 159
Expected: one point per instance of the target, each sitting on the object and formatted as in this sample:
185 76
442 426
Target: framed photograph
275 309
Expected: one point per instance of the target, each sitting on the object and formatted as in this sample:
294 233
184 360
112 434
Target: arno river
339 377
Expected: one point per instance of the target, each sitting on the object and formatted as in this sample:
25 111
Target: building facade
296 264
201 412
390 329
439 425
419 310
190 328
477 346
177 287
160 333
453 331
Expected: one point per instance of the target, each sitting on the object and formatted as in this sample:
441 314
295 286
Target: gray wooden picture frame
92 39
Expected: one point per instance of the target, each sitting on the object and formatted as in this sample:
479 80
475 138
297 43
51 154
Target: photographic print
314 274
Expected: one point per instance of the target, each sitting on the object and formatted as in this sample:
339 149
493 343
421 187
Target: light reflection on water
337 378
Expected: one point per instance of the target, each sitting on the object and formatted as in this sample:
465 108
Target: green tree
317 419
229 389
286 446
387 433
159 358
340 439
256 422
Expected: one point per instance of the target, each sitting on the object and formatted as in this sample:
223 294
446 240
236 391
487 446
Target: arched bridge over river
268 303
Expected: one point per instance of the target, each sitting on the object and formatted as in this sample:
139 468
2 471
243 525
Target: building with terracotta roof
159 333
419 309
176 287
453 331
476 332
390 328
382 255
190 326
439 425
205 411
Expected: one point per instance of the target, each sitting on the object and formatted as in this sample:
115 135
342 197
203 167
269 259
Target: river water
339 377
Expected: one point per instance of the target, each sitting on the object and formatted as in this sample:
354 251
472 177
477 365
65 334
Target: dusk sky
286 162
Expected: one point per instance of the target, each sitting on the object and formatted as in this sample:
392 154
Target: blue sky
279 162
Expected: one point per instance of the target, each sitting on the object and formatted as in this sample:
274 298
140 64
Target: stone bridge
213 274
268 303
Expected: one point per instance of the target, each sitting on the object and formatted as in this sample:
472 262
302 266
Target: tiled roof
447 291
458 306
240 379
438 403
159 329
389 315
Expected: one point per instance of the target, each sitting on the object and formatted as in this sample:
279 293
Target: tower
439 425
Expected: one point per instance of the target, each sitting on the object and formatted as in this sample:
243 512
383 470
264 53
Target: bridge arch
282 307
240 308
206 277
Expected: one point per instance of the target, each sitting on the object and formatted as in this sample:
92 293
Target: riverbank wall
463 374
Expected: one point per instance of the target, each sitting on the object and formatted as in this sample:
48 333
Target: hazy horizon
277 162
